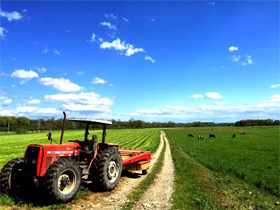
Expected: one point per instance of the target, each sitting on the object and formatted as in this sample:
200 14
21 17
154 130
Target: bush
21 131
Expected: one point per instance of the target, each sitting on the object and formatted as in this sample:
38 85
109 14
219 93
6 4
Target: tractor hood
38 157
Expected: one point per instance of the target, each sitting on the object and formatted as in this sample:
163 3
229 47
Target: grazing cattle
242 133
190 135
212 136
200 137
233 136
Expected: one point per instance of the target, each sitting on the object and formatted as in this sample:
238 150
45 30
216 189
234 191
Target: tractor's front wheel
63 179
9 179
108 168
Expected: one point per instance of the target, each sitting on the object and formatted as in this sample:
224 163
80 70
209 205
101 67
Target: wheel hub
66 181
112 169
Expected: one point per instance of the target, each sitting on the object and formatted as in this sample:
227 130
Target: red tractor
60 168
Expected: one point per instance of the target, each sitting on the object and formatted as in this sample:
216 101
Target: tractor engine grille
31 158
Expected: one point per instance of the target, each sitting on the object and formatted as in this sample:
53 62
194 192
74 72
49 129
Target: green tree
23 121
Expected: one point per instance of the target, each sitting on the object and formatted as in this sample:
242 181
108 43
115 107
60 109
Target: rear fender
102 146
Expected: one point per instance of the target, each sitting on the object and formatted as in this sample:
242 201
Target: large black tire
63 180
9 180
107 168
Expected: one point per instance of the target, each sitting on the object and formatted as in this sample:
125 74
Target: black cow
242 133
190 135
233 136
212 136
200 137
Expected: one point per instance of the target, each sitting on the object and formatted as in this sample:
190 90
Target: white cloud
111 35
232 48
45 50
36 110
61 84
26 75
196 96
56 52
4 74
98 80
34 101
275 86
6 113
11 15
2 32
93 37
112 16
4 100
248 61
219 103
148 58
80 73
89 102
209 95
149 111
212 3
131 50
126 20
213 95
111 85
221 112
110 26
235 58
121 46
275 98
116 44
40 69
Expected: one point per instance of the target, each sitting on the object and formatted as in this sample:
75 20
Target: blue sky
155 61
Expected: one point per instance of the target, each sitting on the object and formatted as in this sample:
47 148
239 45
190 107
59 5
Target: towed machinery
60 168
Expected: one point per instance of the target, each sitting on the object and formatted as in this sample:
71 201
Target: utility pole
38 125
8 125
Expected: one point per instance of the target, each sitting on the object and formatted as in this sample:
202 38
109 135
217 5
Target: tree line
24 125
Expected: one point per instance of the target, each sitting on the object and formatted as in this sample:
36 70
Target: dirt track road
159 194
111 200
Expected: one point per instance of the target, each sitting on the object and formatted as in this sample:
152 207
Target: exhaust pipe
63 127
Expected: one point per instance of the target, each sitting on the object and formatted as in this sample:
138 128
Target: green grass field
14 146
241 172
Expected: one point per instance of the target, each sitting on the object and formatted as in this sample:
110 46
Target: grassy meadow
227 173
240 172
14 146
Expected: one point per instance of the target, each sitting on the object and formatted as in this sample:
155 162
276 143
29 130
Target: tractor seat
92 143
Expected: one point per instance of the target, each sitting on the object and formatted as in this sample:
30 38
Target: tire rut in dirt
107 168
63 180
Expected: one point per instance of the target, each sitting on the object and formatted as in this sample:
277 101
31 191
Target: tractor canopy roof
102 122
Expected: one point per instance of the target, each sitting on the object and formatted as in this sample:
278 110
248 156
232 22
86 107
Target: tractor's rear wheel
107 168
63 179
9 179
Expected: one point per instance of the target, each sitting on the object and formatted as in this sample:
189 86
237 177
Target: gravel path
111 200
159 194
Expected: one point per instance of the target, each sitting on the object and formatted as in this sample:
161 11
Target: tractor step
83 166
87 181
